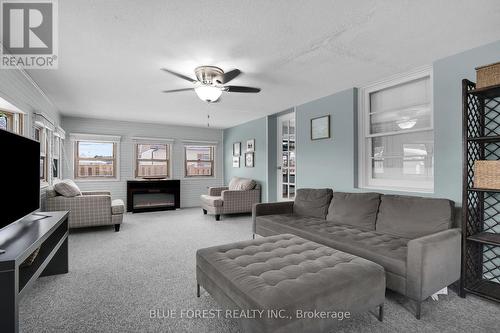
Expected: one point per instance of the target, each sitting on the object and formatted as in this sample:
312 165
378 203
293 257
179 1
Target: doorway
286 171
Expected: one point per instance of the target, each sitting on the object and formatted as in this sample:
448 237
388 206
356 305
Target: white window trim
365 181
188 143
168 142
74 137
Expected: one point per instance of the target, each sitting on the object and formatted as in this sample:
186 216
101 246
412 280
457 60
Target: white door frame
279 175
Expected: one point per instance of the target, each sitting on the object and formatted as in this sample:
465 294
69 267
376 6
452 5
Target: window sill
198 178
90 180
397 189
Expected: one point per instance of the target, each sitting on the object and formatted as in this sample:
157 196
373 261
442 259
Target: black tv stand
21 239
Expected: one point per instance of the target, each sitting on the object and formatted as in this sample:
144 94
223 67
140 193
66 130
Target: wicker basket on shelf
488 75
487 174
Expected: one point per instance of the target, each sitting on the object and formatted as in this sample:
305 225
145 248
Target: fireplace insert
152 195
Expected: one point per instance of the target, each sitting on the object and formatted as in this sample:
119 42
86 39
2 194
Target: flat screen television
20 170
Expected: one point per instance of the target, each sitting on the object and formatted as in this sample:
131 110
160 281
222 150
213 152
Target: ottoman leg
217 217
204 212
197 290
381 312
117 227
419 310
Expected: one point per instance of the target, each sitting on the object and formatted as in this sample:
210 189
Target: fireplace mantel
146 195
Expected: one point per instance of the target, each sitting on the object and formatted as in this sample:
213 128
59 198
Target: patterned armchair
238 197
92 208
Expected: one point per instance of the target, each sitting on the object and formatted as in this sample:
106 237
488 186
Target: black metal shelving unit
481 207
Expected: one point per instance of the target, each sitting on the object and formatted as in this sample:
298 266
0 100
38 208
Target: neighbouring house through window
95 160
199 161
152 160
396 134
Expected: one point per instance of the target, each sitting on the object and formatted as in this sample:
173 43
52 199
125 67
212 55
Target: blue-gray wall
328 162
256 129
332 162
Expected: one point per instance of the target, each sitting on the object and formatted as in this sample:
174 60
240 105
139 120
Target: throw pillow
67 188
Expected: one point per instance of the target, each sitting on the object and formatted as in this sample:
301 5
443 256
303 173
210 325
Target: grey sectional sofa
411 237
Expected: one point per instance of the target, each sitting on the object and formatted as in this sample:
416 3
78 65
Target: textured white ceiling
110 52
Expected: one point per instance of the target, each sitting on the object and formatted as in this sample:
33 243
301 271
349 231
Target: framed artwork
236 161
320 128
249 160
250 145
237 149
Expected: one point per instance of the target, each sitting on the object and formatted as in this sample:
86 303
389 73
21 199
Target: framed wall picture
250 145
320 128
249 160
237 149
236 161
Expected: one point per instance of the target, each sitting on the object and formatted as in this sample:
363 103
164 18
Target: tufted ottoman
285 283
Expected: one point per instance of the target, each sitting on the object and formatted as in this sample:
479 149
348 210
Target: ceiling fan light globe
208 93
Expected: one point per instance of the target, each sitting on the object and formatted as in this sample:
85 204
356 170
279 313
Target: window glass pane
55 168
42 167
150 168
198 168
95 149
95 168
401 120
152 151
407 156
199 153
3 122
402 96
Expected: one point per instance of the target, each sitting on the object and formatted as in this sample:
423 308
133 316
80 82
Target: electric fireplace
152 195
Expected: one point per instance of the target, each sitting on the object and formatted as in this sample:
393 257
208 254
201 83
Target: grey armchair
238 197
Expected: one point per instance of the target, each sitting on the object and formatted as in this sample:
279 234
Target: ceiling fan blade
241 89
187 78
229 76
177 90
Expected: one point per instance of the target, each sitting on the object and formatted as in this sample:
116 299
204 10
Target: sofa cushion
386 250
312 202
67 188
211 200
117 207
413 217
241 184
356 209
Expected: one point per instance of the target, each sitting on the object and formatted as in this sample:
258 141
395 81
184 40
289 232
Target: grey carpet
115 279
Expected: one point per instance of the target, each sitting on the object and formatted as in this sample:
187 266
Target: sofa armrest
284 207
96 193
433 263
85 210
216 191
239 201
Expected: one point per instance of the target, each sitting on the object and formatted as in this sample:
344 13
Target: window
199 161
12 122
56 156
152 160
397 136
95 160
40 136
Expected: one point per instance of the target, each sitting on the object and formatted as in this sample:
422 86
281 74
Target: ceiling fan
211 82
